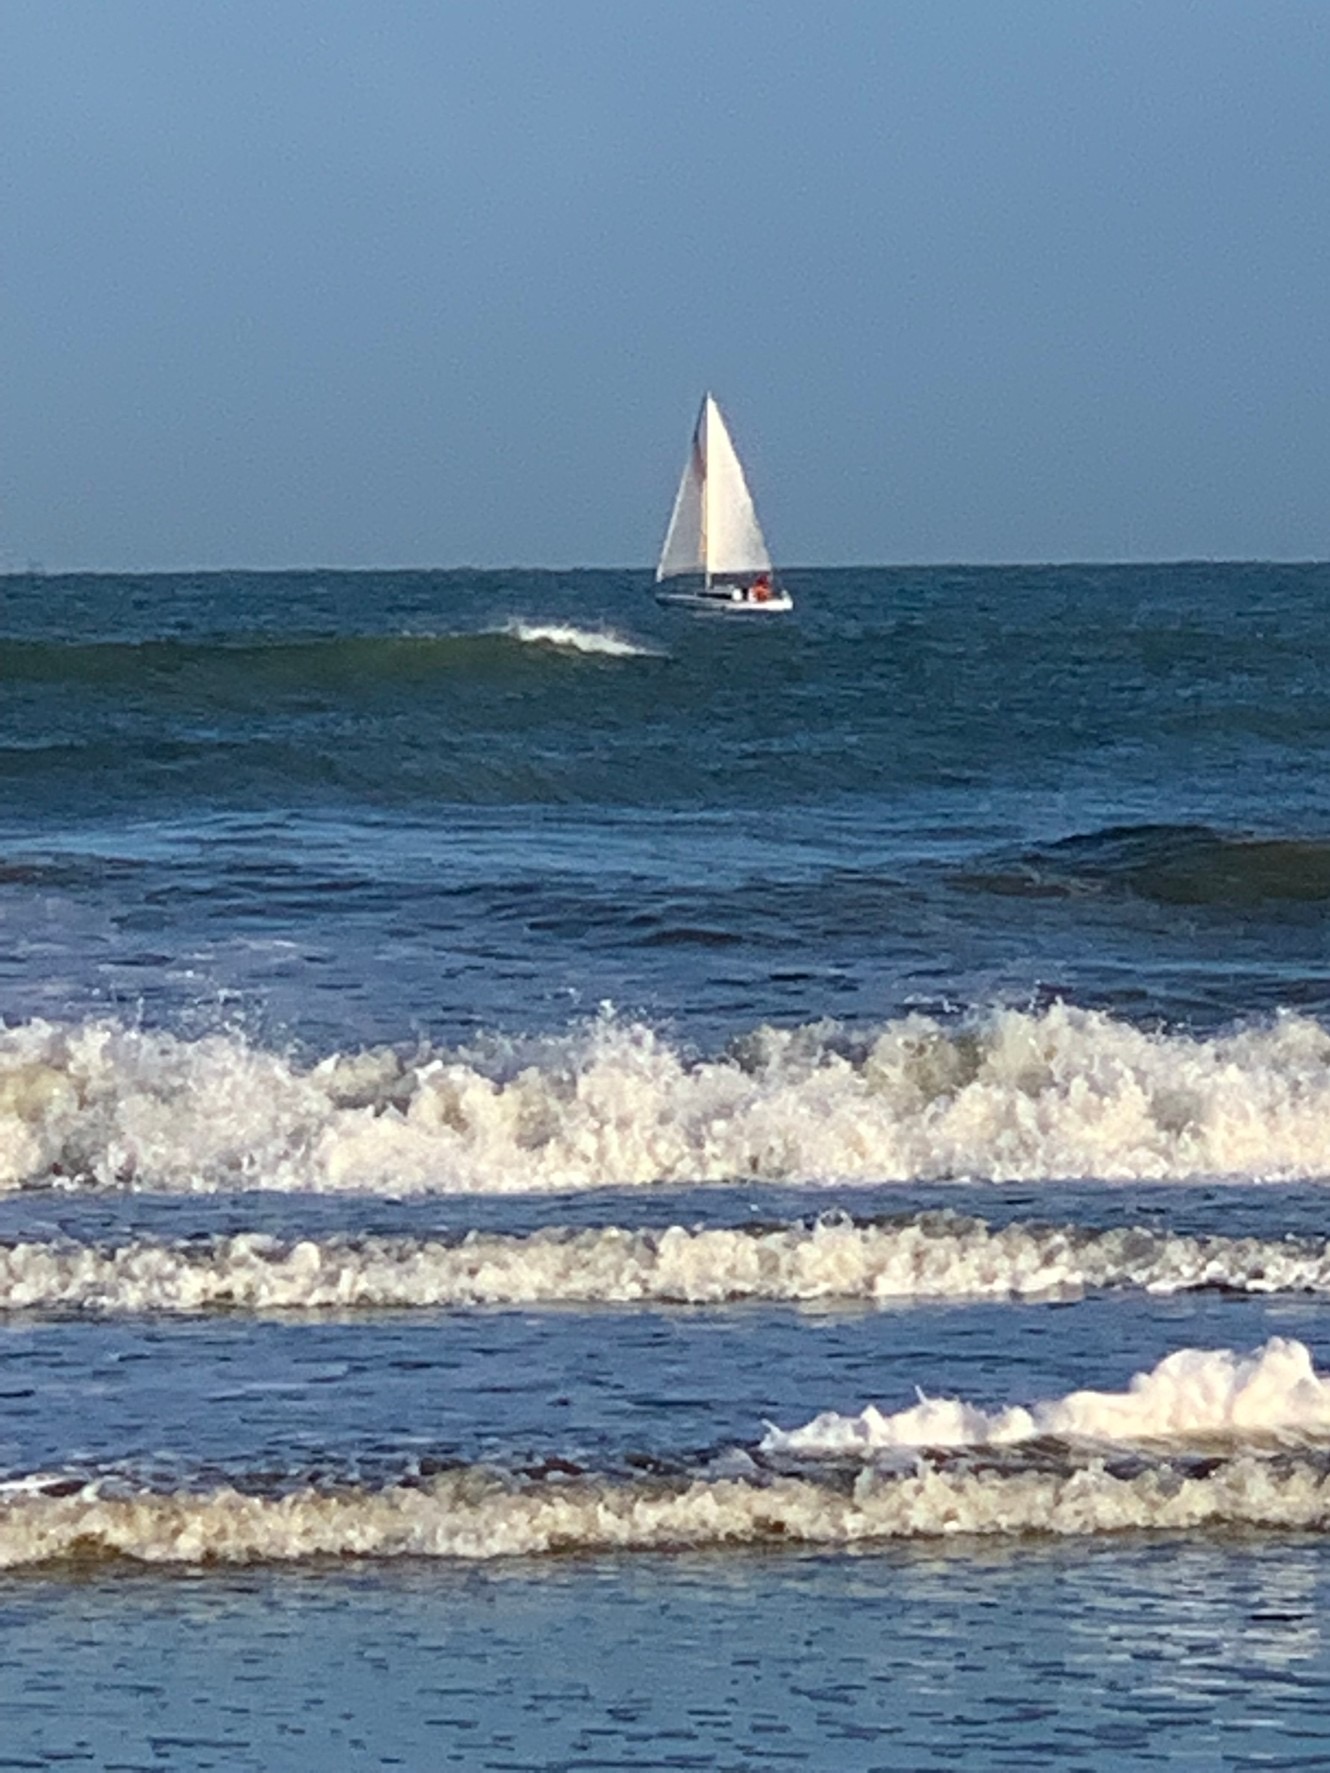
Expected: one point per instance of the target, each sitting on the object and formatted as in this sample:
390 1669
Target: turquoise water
584 1186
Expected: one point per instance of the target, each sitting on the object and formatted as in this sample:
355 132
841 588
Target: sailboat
714 535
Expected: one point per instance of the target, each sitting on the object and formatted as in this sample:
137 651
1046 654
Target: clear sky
415 282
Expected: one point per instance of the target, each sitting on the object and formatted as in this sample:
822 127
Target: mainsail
713 526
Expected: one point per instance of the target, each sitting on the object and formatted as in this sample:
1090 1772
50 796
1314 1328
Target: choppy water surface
581 1186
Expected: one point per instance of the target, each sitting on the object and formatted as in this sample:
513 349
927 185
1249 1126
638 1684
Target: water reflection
1191 1653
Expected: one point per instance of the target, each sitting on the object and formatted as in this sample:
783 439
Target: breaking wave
244 669
927 1256
1060 1093
1207 1438
1213 1395
568 636
481 1513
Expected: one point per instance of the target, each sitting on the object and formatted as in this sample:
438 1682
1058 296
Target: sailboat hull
725 600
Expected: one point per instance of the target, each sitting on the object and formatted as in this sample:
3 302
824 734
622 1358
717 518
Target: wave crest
571 638
1193 1393
929 1256
1060 1093
480 1514
1186 865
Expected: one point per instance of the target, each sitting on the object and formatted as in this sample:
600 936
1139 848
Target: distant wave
227 665
1209 1395
925 1256
571 638
1168 864
1060 1093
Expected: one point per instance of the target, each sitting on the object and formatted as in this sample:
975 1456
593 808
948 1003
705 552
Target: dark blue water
363 805
339 907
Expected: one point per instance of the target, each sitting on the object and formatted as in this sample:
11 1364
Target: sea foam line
1020 1096
930 1256
480 1514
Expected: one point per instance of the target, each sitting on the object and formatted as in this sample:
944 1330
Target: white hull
725 600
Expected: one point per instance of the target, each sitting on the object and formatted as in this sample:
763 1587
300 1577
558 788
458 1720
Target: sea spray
1019 1095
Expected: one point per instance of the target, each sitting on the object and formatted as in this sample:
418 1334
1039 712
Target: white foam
571 638
477 1514
1213 1394
931 1257
1064 1093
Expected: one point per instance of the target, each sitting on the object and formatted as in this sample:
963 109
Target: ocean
583 1186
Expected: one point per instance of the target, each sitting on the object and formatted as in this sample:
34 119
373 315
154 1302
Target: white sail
713 526
733 541
684 549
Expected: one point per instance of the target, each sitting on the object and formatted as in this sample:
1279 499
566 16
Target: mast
704 425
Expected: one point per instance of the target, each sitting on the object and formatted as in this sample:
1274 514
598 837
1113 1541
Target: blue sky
407 283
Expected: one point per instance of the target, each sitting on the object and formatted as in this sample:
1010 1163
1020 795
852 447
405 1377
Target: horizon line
35 570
